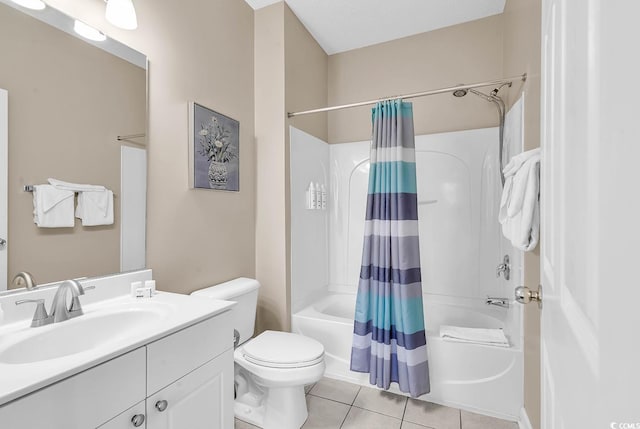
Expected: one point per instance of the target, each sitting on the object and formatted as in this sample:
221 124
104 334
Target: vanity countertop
149 318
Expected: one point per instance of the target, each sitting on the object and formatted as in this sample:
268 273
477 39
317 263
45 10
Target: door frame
4 185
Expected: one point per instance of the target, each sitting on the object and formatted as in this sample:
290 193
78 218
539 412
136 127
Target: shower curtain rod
508 80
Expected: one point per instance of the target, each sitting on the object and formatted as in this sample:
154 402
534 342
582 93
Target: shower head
460 93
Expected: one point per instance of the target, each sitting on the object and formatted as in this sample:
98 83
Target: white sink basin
32 358
77 335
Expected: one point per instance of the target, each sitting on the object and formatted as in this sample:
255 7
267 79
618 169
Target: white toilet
271 369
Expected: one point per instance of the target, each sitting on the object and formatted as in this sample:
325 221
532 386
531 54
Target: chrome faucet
59 311
24 279
504 268
500 302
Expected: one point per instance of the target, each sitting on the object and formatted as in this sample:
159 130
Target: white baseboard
524 422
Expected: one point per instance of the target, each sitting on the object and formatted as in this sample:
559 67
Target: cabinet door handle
137 420
161 405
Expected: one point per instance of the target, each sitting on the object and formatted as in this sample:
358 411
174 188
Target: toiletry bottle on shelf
318 197
311 196
323 197
151 284
134 288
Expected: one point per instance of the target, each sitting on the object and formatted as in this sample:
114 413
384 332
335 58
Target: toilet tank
244 292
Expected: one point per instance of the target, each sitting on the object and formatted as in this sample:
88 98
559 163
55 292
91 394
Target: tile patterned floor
336 404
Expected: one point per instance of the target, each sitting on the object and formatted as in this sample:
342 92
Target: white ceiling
342 25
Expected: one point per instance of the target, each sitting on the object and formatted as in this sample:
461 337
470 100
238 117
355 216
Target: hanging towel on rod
52 207
519 212
75 187
95 207
95 202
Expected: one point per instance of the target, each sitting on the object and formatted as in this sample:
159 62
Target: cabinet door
202 399
85 400
134 417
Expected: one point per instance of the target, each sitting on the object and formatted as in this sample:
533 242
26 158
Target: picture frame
214 150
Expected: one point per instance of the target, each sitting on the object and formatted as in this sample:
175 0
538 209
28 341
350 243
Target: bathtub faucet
504 268
500 302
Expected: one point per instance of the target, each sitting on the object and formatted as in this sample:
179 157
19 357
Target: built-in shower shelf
427 202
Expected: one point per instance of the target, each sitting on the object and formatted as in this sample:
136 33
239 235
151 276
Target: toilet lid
283 350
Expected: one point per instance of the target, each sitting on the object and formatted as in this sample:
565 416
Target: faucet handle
40 317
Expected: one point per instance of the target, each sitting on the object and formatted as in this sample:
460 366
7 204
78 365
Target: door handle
524 295
3 243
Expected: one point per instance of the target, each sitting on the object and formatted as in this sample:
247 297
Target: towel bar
29 188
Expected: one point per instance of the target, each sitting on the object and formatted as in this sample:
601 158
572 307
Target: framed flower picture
214 150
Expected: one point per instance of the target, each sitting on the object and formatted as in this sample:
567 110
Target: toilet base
280 408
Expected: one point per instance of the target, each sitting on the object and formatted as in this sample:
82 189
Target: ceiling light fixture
121 13
31 4
88 32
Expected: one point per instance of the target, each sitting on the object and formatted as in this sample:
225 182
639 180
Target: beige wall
67 102
198 51
271 226
291 74
522 54
306 77
464 53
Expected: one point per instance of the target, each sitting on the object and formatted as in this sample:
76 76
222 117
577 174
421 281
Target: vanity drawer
85 400
172 357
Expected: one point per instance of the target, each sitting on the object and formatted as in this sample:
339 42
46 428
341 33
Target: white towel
519 212
52 207
75 187
491 337
95 207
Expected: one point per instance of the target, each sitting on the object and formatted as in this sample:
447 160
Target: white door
4 187
202 399
590 214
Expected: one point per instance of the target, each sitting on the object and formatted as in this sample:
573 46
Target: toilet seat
275 349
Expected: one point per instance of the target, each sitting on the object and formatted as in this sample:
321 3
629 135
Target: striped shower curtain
389 339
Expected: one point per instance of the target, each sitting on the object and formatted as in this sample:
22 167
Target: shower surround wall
458 197
309 228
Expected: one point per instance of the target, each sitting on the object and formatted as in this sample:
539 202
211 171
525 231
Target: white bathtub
478 378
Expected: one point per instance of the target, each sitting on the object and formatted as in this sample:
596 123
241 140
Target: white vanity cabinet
184 380
203 399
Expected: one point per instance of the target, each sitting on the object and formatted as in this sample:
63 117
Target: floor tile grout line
350 407
345 417
376 412
404 411
356 397
329 399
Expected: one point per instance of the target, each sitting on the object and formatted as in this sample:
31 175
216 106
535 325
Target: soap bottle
323 197
311 195
318 197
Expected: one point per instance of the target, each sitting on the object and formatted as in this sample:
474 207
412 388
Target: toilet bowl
278 365
271 369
